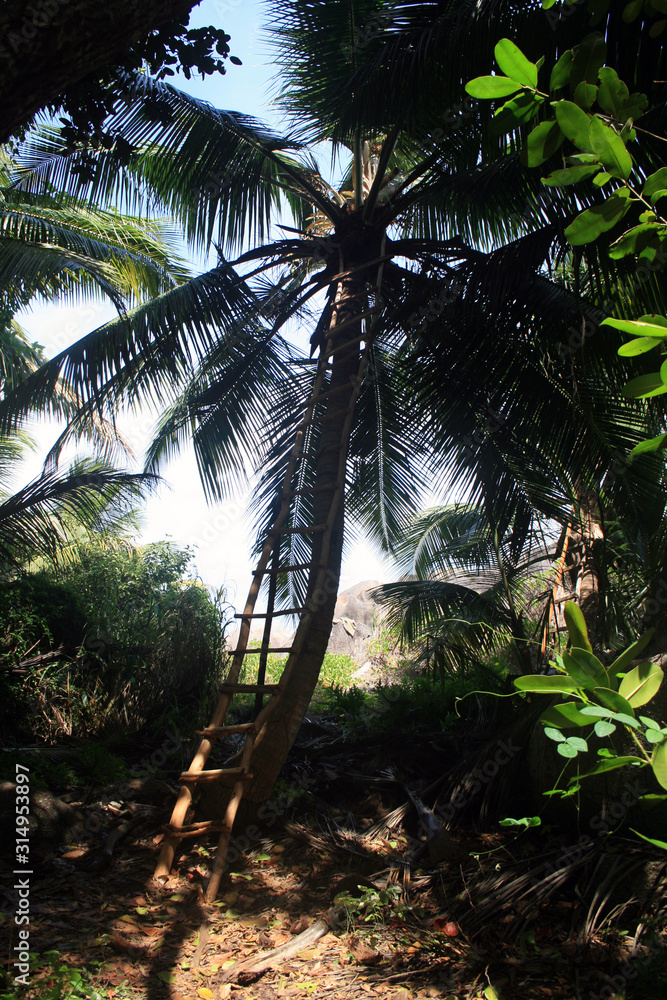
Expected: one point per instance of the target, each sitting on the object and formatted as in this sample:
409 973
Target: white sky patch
220 533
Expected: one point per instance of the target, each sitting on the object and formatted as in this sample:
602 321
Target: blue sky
220 533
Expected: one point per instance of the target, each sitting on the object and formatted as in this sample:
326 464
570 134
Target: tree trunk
278 735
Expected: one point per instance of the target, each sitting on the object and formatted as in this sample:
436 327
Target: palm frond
42 516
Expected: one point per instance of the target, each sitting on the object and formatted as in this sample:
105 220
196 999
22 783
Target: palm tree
387 256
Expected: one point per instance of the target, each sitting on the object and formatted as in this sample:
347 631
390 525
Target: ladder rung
324 417
311 489
245 727
286 569
332 392
237 773
299 531
264 687
320 451
194 829
253 688
273 614
348 343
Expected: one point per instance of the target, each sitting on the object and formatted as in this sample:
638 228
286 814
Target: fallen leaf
167 977
205 993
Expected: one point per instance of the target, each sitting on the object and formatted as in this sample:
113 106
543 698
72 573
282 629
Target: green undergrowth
409 705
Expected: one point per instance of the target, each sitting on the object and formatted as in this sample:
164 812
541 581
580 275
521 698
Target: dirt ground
496 920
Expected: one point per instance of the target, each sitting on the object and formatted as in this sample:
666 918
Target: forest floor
512 914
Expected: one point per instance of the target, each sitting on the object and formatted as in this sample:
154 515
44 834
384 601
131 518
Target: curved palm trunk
277 737
310 642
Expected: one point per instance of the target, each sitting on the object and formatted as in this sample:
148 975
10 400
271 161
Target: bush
144 641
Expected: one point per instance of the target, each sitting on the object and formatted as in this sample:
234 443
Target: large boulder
50 820
355 621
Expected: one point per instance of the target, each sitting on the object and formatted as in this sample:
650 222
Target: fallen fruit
451 929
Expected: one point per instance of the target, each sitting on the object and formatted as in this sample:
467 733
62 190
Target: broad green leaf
554 734
491 87
604 728
565 716
576 626
656 843
580 675
655 185
579 744
612 93
538 684
649 446
581 158
628 133
647 326
631 653
514 64
626 719
611 149
561 178
585 95
663 371
634 107
611 764
654 736
597 711
541 144
527 821
601 179
613 700
575 124
641 683
594 221
589 57
645 386
640 345
659 763
649 723
560 74
517 111
590 662
634 240
657 29
657 318
566 750
632 10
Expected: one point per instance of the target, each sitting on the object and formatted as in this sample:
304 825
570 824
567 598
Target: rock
147 791
50 819
355 620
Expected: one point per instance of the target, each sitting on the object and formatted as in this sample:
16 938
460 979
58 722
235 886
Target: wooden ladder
238 776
